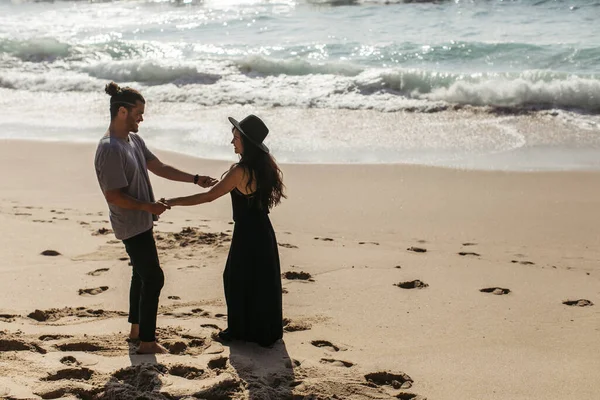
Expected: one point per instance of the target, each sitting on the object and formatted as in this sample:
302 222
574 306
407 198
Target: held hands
158 207
206 181
166 202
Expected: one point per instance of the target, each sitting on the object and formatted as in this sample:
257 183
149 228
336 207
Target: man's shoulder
134 137
107 147
108 143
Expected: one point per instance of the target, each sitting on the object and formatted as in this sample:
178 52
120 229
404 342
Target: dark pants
146 282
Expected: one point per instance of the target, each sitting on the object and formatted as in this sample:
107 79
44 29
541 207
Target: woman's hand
167 202
206 181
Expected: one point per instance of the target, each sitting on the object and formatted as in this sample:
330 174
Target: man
122 162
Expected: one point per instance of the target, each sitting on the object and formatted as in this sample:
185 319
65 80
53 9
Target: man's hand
157 208
166 202
206 181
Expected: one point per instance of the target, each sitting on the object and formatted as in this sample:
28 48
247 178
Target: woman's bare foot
151 348
134 334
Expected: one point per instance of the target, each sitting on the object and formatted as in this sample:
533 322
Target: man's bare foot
151 348
134 334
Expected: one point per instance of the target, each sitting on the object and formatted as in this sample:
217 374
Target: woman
252 275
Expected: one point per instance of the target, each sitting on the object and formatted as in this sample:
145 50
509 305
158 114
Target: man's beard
133 127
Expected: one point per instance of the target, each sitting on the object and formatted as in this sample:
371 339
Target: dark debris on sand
416 284
495 290
190 236
578 303
417 249
102 231
293 275
50 253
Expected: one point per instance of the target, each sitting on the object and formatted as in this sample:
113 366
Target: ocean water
337 61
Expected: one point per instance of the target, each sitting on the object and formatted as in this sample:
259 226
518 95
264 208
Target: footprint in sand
174 298
495 290
212 326
80 346
45 338
15 344
226 389
324 239
201 312
293 275
127 382
8 317
187 344
325 344
219 363
469 253
64 392
292 326
579 303
373 243
190 267
469 244
336 363
84 374
417 249
50 253
93 291
522 262
409 396
175 314
287 245
70 361
396 380
416 284
98 271
54 314
186 371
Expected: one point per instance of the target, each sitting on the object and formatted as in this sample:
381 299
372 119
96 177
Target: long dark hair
262 169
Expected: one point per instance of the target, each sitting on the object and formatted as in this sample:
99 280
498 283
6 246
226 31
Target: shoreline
454 139
464 168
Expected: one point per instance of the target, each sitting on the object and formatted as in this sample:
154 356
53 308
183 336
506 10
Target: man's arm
226 185
120 199
173 174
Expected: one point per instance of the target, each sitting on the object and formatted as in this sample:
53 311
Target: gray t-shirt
121 164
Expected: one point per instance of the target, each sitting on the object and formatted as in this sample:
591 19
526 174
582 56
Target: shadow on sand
140 380
268 372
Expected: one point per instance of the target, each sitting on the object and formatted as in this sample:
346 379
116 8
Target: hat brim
237 126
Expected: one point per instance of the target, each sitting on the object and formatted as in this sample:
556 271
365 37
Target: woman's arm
226 185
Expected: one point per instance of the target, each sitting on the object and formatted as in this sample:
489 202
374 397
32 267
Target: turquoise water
332 55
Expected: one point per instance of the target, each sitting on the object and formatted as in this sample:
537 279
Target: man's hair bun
112 89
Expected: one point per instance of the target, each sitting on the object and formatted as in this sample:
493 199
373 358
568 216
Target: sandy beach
400 281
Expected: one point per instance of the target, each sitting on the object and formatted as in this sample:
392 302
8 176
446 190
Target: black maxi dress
252 276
